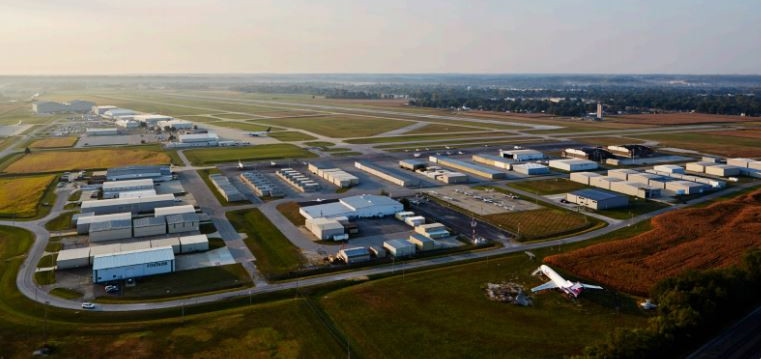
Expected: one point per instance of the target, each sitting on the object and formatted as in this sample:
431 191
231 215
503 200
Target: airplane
556 281
241 166
261 133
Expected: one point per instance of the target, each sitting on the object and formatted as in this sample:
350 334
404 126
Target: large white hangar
132 264
362 206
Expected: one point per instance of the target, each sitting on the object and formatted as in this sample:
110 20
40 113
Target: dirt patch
697 238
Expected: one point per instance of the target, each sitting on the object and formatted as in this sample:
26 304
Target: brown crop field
680 118
738 133
54 142
695 238
19 196
55 161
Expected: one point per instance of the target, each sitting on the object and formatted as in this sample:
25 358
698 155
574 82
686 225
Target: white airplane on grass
556 281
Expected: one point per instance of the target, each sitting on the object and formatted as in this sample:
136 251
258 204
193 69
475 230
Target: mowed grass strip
20 196
208 156
57 161
54 142
441 128
718 144
415 138
548 186
275 254
60 223
288 136
245 126
340 126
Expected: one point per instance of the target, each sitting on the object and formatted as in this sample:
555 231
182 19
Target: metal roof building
492 160
597 199
521 155
166 211
362 206
413 164
182 222
73 258
157 173
573 165
197 243
149 226
134 205
396 177
354 255
469 167
399 247
84 220
110 230
112 188
228 191
133 264
531 169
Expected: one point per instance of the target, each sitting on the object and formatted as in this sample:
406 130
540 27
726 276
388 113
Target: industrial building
444 175
722 170
432 230
191 244
573 165
110 230
531 169
403 214
468 167
173 242
175 124
138 194
298 180
399 248
740 162
84 220
134 205
492 160
73 258
603 181
102 131
354 255
77 106
584 177
151 120
182 222
133 264
333 174
393 176
362 206
111 189
713 183
116 112
521 155
597 199
166 211
699 167
260 184
669 168
686 187
630 151
158 173
326 228
587 153
127 123
148 226
635 189
414 221
99 110
622 173
421 242
413 164
226 189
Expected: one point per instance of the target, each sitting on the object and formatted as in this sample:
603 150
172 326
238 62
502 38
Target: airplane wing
590 286
548 285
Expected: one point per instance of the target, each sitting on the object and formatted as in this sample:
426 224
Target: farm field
450 305
548 186
249 153
416 138
275 254
245 126
57 161
723 145
695 238
680 118
20 196
339 126
53 142
287 136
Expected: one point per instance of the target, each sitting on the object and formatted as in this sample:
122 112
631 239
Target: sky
387 36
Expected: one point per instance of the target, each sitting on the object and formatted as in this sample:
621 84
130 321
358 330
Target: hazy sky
311 36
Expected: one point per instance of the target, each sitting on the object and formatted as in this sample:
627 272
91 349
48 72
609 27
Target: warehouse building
722 170
138 194
597 199
133 264
622 173
192 244
334 175
134 246
686 187
492 160
134 205
110 230
573 165
84 220
182 222
699 167
102 131
413 164
421 242
414 221
444 175
669 168
362 206
99 110
397 178
643 178
73 258
713 183
630 151
148 226
127 123
260 184
432 230
469 167
116 112
587 153
209 139
228 191
151 120
403 215
399 248
166 211
635 189
298 180
603 181
173 242
740 162
111 189
531 169
354 255
326 228
157 173
521 155
584 177
175 124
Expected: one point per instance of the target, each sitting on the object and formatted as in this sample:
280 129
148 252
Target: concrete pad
212 258
481 202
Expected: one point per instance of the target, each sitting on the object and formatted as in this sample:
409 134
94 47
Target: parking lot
481 202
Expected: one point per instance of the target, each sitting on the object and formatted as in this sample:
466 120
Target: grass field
20 197
320 144
65 293
60 223
54 142
340 126
718 144
236 116
345 154
548 186
245 126
250 153
441 128
444 313
204 173
291 211
421 138
607 141
275 254
288 136
57 161
541 223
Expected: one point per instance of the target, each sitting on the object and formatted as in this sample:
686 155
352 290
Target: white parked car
88 305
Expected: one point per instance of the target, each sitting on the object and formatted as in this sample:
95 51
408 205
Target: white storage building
531 169
134 205
180 223
635 189
166 211
414 221
699 167
573 165
421 242
110 230
603 182
723 170
521 155
157 173
138 194
492 160
84 220
197 243
133 264
325 228
686 187
399 248
362 206
584 177
740 162
432 230
669 168
354 255
622 173
111 189
597 199
149 226
173 242
73 258
104 131
228 191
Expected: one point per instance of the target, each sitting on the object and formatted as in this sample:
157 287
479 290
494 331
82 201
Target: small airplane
261 133
241 166
556 281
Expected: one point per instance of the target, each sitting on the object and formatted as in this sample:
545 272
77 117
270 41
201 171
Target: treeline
691 308
578 102
324 91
